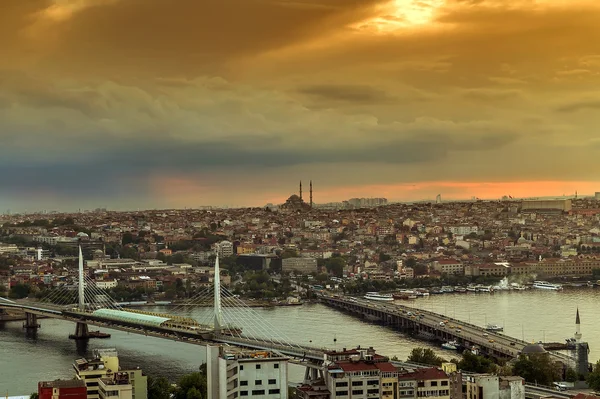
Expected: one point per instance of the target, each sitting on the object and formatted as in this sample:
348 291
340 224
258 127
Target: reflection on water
29 356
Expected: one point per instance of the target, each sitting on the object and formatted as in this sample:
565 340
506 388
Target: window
272 382
373 382
372 391
258 366
243 393
243 383
241 367
434 383
273 391
341 384
258 392
421 384
341 393
357 392
276 365
444 383
257 382
357 383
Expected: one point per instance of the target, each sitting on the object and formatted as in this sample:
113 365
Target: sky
130 104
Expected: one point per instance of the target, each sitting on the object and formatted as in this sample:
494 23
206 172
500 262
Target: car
442 324
512 344
486 334
491 341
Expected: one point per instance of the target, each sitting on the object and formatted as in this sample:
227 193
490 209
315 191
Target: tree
537 368
475 363
158 388
127 238
425 356
19 291
192 386
34 396
571 375
593 378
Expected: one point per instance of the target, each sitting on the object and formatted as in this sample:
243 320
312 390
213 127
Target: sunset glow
404 99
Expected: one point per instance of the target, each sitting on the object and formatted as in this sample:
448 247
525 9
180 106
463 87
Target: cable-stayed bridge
231 320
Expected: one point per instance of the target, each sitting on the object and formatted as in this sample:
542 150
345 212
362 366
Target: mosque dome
533 349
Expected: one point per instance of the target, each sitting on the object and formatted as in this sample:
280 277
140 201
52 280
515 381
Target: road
467 334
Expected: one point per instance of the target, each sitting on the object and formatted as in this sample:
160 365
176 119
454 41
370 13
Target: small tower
300 189
581 351
311 203
577 327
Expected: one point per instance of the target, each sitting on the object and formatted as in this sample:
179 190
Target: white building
106 284
224 248
299 265
463 230
242 373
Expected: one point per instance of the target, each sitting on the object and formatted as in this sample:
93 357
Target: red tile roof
356 366
386 367
432 373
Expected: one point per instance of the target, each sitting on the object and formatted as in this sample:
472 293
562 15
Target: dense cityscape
297 253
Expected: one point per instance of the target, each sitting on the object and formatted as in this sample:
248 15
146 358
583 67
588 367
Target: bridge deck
432 325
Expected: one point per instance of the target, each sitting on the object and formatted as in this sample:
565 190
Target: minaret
300 189
577 327
311 194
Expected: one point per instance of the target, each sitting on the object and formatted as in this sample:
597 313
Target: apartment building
299 265
237 373
448 266
487 386
105 365
118 386
424 383
360 374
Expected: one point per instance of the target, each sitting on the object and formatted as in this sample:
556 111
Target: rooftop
62 384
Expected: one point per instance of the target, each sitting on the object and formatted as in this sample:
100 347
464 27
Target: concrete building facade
242 373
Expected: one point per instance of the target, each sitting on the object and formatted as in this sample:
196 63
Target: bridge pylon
81 283
218 314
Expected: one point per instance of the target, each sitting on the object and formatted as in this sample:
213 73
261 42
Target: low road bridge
434 326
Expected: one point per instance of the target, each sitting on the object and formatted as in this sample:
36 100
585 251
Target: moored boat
376 296
544 285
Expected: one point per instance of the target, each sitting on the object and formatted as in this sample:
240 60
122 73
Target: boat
544 285
91 334
376 296
447 289
450 345
460 290
422 292
471 289
494 327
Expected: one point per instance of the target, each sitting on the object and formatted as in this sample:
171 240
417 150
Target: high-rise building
104 366
237 373
62 389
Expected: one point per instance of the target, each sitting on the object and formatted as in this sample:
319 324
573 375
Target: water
48 355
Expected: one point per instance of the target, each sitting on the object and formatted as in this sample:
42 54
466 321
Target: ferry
376 296
544 285
494 327
451 345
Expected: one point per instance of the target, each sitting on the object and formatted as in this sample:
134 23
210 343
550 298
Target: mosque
296 203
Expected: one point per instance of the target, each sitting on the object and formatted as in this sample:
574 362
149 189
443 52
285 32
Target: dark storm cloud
127 166
347 93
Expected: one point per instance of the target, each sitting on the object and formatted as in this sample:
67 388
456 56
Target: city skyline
153 104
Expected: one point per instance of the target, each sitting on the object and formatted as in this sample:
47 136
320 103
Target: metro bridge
231 322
